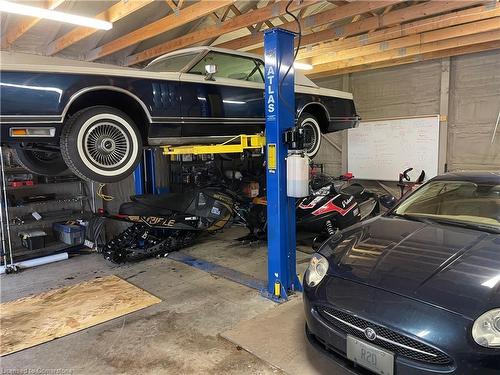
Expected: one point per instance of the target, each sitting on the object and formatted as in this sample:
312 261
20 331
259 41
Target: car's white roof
15 61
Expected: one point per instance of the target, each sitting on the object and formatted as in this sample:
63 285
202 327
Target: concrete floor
179 335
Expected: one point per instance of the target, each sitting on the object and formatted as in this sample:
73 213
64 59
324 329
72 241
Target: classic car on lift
416 290
95 118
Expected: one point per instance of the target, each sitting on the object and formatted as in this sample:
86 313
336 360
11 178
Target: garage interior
204 308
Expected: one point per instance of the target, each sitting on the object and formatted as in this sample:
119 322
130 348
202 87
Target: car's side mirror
210 70
388 201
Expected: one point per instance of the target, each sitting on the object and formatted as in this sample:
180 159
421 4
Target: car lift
280 115
231 146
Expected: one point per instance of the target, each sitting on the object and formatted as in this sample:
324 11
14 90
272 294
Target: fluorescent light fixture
27 10
302 66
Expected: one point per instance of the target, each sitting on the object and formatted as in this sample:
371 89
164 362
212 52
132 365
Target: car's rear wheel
101 144
39 162
312 132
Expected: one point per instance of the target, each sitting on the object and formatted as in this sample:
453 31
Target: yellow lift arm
234 145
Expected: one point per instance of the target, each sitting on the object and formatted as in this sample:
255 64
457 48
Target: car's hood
452 267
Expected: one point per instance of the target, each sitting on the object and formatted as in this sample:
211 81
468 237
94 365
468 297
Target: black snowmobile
332 205
168 222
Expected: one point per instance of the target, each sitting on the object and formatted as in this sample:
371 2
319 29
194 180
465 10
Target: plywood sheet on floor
33 320
277 336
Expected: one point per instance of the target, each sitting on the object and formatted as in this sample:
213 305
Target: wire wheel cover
106 144
310 136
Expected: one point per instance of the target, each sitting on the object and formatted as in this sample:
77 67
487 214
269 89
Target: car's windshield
173 63
455 201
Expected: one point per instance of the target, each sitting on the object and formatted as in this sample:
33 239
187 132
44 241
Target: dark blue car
416 290
95 118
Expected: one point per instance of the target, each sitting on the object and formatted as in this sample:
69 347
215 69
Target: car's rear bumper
467 357
342 123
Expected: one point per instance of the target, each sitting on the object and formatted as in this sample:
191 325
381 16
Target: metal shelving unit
16 214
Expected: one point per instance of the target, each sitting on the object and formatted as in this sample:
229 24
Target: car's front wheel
312 133
101 144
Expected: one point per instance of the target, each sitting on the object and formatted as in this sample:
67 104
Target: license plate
370 356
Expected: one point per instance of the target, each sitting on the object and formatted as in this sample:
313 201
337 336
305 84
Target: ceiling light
302 66
27 10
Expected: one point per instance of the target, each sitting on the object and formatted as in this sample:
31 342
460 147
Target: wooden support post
444 100
346 86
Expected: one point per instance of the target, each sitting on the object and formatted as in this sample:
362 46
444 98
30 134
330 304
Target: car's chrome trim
196 78
30 119
380 337
211 120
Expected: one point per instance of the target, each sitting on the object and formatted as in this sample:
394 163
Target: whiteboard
380 149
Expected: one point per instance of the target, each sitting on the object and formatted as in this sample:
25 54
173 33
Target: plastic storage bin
71 234
33 239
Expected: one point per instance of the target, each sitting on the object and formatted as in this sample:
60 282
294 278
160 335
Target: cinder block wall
415 89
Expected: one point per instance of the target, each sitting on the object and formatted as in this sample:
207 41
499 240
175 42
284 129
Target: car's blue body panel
173 108
426 281
432 263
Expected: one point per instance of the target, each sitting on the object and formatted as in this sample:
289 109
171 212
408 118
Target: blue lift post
280 116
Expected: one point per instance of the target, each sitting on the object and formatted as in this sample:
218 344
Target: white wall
415 89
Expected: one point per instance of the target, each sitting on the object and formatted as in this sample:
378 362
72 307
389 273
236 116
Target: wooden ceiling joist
328 16
176 7
404 35
409 41
392 18
24 25
170 22
388 56
473 48
112 14
236 23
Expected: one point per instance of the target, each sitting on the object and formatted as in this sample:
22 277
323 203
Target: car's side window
230 66
172 64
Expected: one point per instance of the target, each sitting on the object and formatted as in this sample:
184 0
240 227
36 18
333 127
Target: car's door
229 103
162 92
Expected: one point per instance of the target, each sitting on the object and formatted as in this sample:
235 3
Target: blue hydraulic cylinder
150 165
280 116
139 178
145 174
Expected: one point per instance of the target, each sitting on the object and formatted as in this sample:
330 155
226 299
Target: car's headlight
486 329
318 266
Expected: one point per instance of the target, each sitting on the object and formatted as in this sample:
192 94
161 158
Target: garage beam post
280 114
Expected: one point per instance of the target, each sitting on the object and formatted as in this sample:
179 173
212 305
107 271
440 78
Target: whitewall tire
312 133
101 144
